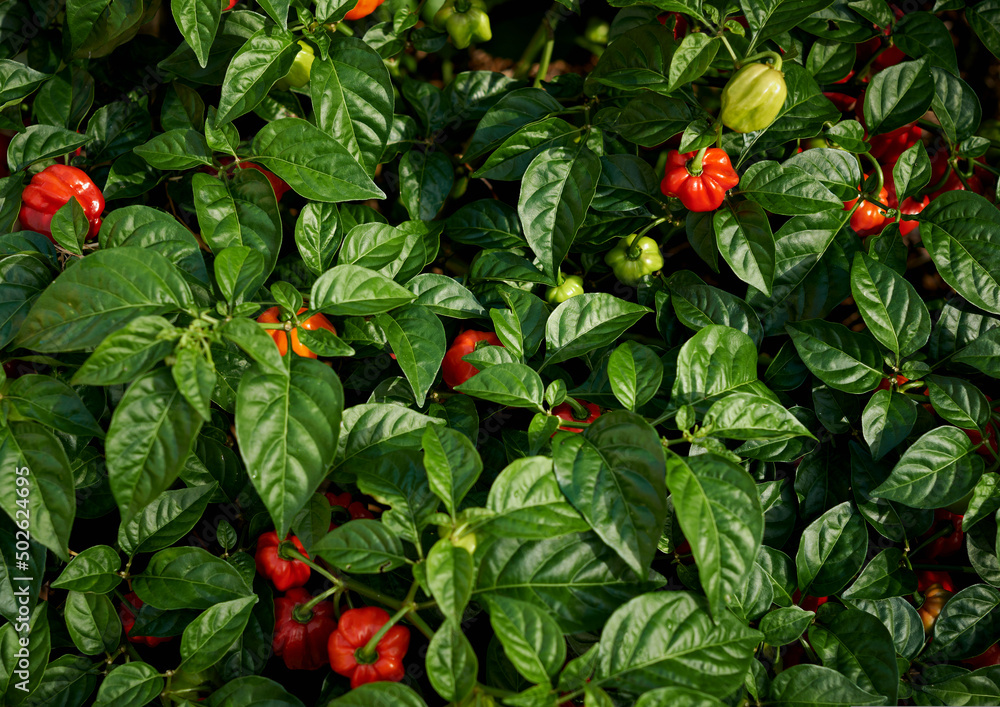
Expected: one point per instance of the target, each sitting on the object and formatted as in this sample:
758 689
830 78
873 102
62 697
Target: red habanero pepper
363 9
316 321
565 412
302 641
284 574
355 509
925 578
911 207
869 218
809 603
346 647
50 190
949 544
842 101
700 188
230 6
887 148
126 612
454 370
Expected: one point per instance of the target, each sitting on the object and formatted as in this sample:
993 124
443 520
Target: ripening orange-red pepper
869 218
363 9
346 647
50 190
316 321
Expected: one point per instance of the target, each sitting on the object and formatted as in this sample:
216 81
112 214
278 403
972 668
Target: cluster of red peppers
313 323
363 644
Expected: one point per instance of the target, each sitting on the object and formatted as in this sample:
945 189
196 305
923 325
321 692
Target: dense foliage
383 353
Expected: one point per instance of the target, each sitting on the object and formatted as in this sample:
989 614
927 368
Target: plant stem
523 66
550 42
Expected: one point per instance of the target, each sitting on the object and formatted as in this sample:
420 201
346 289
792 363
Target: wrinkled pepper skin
298 75
565 412
363 9
752 98
126 612
303 646
284 574
633 257
454 370
465 21
50 190
316 321
569 286
704 191
356 628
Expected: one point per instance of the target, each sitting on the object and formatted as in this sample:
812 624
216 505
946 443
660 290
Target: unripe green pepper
464 539
633 257
298 75
465 21
753 97
568 287
430 9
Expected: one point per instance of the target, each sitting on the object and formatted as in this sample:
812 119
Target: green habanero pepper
568 287
465 21
298 75
633 257
753 97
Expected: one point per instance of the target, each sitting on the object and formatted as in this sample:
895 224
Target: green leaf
42 142
514 110
287 427
968 623
613 474
450 578
890 306
883 577
390 693
92 623
53 403
698 305
654 640
512 384
425 180
94 570
150 436
351 290
527 503
961 231
531 639
817 686
787 190
188 578
167 519
921 34
771 18
898 95
955 104
133 685
912 171
692 59
453 465
749 416
313 163
719 511
17 81
105 291
783 626
417 338
266 57
636 372
362 546
938 469
556 191
984 18
831 551
715 361
744 237
207 638
587 322
452 665
577 578
887 421
843 359
31 452
445 296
